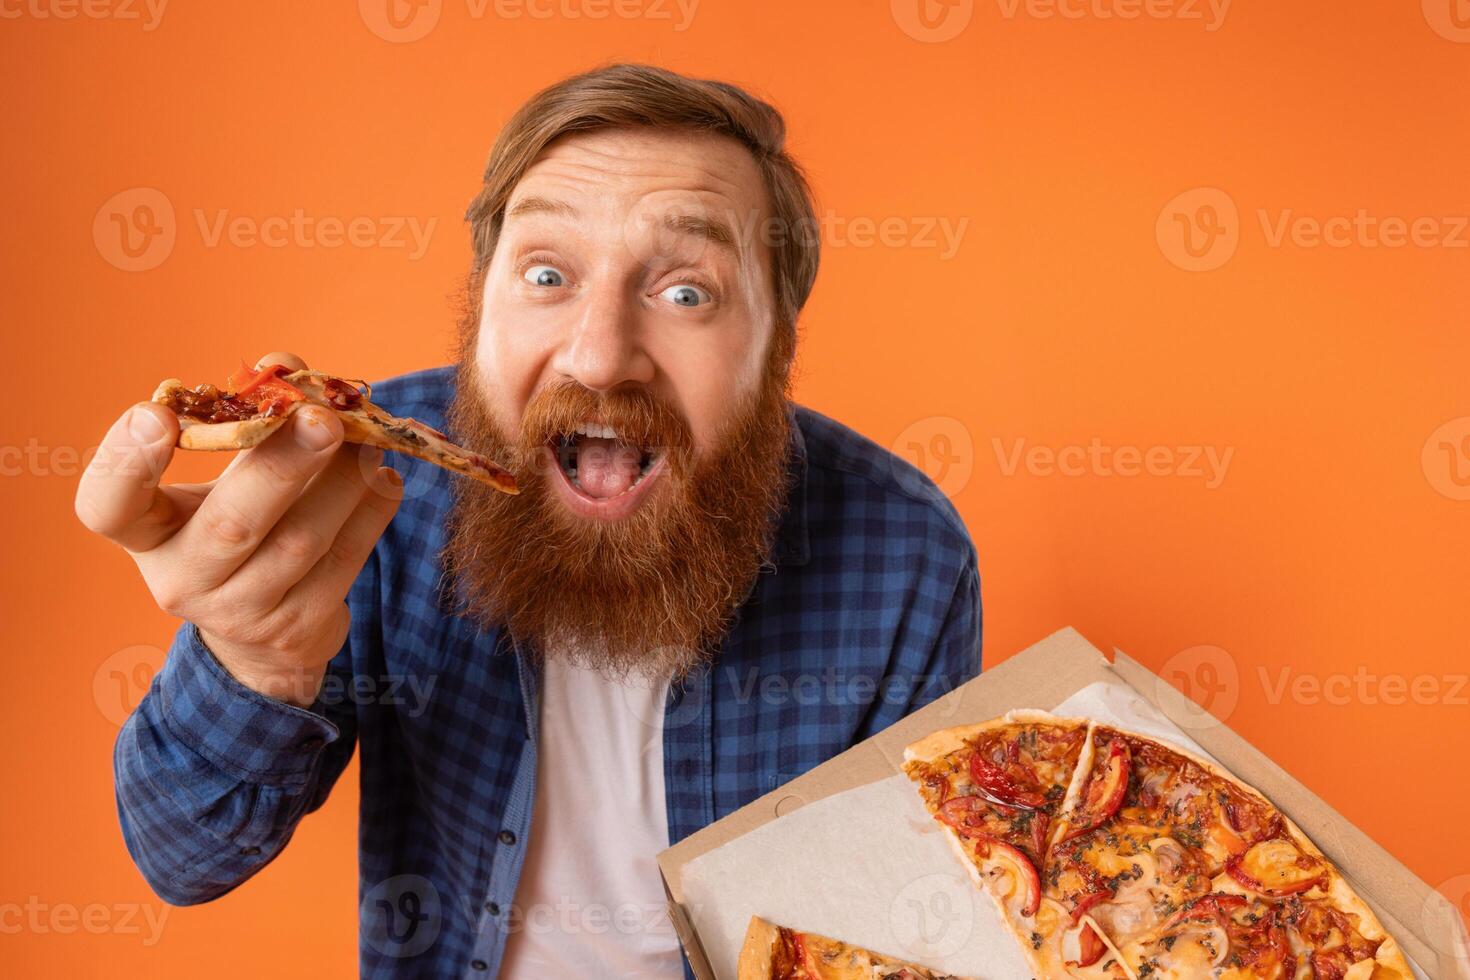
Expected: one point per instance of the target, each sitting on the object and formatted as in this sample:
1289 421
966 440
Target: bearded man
702 591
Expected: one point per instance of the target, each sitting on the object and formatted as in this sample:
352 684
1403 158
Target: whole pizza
1113 855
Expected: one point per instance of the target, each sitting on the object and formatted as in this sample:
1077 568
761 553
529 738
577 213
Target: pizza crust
759 950
937 745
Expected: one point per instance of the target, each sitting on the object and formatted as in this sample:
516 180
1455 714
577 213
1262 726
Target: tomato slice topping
1011 785
1086 902
1104 793
1026 877
1215 907
977 818
265 388
1082 947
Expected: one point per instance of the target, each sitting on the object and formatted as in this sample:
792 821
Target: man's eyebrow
542 205
708 227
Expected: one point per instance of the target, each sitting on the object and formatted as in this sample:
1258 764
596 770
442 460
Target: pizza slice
258 402
1228 886
998 789
1157 865
773 952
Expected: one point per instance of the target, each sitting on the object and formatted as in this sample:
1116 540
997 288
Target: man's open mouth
600 463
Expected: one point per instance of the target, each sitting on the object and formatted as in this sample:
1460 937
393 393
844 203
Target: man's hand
260 560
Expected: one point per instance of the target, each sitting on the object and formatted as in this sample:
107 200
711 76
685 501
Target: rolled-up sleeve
212 777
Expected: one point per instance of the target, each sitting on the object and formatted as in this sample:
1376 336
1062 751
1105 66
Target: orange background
1330 545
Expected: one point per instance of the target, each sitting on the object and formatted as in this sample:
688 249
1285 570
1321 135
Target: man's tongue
605 467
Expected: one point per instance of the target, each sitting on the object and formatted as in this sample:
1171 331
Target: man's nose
604 348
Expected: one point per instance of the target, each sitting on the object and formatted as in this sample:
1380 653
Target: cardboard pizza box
1427 925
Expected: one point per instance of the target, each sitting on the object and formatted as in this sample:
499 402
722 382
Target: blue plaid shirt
871 609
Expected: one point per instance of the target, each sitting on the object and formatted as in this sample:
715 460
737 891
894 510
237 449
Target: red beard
651 593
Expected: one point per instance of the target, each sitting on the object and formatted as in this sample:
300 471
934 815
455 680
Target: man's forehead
701 170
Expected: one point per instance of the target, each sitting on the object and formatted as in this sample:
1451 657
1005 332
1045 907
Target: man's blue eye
686 295
544 275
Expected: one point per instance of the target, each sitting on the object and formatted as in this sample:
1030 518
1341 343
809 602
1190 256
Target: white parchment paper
870 867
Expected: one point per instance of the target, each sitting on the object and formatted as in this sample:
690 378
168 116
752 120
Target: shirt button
479 965
506 837
249 851
493 908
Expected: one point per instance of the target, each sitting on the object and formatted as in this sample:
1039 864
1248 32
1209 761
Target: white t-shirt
590 901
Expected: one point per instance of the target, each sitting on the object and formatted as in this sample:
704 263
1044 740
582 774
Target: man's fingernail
144 427
312 432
